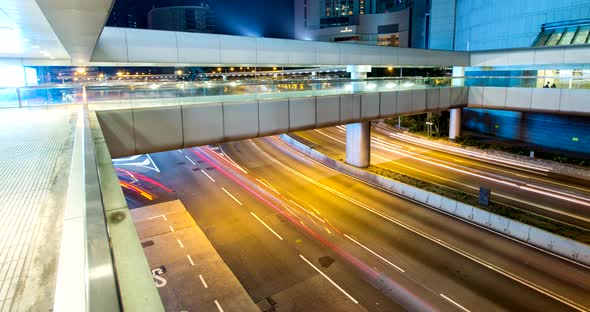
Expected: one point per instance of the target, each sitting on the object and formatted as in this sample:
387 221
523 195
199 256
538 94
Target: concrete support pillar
358 72
458 71
358 144
358 135
455 123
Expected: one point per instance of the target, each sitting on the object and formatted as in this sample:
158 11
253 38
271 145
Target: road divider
557 245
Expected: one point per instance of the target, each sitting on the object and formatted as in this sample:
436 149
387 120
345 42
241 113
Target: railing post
19 99
84 98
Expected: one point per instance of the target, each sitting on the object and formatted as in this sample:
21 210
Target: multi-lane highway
514 183
308 238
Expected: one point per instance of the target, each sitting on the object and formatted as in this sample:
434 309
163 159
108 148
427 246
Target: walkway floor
35 155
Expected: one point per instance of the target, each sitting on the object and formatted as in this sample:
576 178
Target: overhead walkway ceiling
127 46
26 33
77 24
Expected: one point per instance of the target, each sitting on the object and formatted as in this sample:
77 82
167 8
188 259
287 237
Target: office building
198 18
466 25
398 23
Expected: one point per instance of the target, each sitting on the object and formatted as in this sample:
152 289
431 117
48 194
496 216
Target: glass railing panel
9 97
127 96
42 96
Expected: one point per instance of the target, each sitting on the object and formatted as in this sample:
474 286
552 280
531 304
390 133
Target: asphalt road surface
520 185
307 238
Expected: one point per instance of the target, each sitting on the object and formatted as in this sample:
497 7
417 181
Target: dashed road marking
232 196
455 303
268 227
203 281
190 259
208 176
192 162
329 279
218 306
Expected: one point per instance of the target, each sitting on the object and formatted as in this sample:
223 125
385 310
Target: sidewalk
35 155
187 269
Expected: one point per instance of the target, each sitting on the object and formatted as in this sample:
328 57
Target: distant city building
399 23
124 18
198 18
467 25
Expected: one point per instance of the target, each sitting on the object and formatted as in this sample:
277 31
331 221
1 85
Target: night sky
261 18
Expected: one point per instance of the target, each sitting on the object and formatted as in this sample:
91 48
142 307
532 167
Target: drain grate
209 168
147 243
265 305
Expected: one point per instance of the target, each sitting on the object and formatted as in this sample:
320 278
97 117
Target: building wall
442 24
493 24
543 131
177 19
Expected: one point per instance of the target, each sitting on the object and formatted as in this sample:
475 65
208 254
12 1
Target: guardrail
552 243
102 266
150 93
86 279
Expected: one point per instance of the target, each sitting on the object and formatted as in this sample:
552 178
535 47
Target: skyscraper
379 22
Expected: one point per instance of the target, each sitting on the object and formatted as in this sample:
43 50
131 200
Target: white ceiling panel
77 24
26 33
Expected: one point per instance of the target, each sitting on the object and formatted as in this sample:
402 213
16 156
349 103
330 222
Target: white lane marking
455 303
180 243
267 184
266 225
155 217
153 162
165 219
192 162
218 306
179 151
329 136
431 238
488 159
342 142
452 181
429 144
475 174
127 158
385 145
232 196
171 228
190 259
208 176
329 279
375 254
309 212
232 161
203 281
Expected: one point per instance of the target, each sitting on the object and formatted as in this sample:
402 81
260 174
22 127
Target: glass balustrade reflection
153 94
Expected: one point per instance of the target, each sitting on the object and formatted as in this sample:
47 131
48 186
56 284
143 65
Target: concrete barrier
553 243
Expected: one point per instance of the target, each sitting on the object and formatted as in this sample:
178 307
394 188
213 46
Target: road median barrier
550 242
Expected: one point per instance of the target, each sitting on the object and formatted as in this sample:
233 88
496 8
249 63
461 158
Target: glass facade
564 34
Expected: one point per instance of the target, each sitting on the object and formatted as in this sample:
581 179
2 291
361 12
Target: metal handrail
102 288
